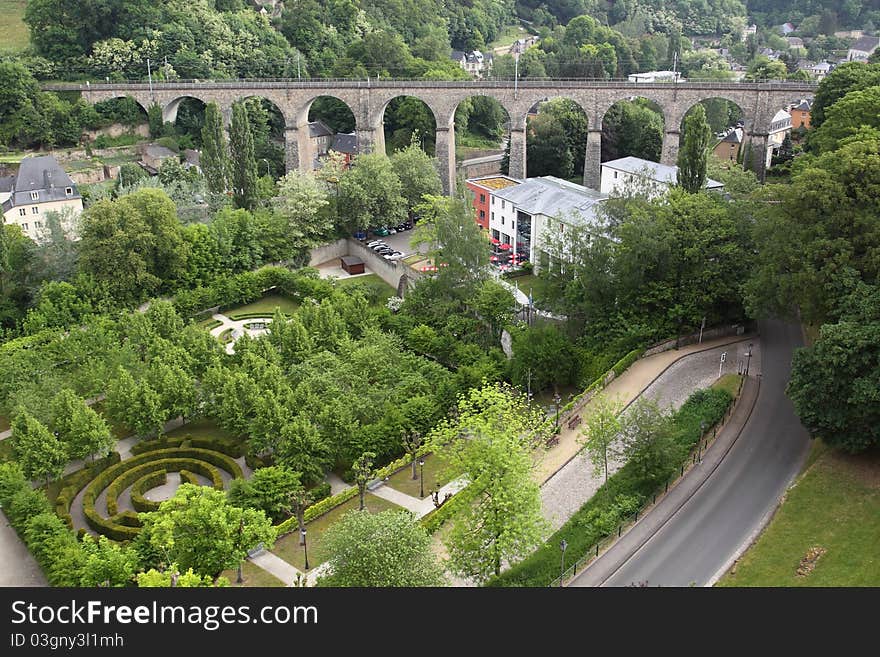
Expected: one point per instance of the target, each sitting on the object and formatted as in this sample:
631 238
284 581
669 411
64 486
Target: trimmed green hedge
173 459
73 483
237 317
187 477
615 501
145 483
435 519
318 509
228 446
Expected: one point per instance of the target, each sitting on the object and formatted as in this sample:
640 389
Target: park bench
574 422
259 549
376 483
553 440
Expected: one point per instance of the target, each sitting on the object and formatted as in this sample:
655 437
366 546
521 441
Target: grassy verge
289 549
14 35
373 287
728 382
530 283
508 36
204 428
835 506
435 478
253 576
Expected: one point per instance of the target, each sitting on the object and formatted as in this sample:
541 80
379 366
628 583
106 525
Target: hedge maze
211 460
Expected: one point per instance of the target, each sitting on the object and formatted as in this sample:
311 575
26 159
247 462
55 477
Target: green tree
547 148
370 193
268 490
763 68
172 576
244 165
37 450
198 528
601 431
107 563
854 113
835 384
302 448
851 76
362 470
302 203
417 174
490 440
544 354
648 442
693 157
80 428
383 549
214 158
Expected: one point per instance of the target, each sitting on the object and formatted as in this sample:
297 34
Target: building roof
785 28
349 260
345 143
794 42
457 55
191 157
494 182
781 115
822 66
662 173
804 105
552 196
43 175
157 152
319 129
733 136
866 44
6 183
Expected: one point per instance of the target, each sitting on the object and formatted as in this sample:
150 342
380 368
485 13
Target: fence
695 456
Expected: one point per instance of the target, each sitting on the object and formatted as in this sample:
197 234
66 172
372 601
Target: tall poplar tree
215 151
244 163
693 158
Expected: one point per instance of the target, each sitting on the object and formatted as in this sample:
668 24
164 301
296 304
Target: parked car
381 231
361 235
370 245
379 247
397 255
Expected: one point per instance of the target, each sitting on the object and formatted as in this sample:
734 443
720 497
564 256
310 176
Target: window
35 196
38 224
22 212
24 226
615 175
502 219
482 198
493 200
493 216
561 227
496 234
502 204
68 191
35 210
482 214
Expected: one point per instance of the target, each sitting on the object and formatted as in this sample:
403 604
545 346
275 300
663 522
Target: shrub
435 519
321 491
145 483
318 509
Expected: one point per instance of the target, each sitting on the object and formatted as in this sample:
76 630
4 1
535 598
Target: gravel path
566 491
19 567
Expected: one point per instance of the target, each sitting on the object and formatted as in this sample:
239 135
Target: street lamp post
749 358
556 400
305 547
562 545
422 478
267 166
240 529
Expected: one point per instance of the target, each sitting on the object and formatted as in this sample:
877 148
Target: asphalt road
727 511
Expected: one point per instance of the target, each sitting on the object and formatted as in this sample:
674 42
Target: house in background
320 138
780 126
153 155
785 29
862 49
474 62
651 178
730 145
656 76
346 143
40 186
820 70
751 30
800 113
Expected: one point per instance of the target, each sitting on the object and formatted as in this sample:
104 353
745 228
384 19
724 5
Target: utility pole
150 78
515 74
298 77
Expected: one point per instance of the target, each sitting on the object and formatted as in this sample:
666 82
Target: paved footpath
577 481
626 388
18 565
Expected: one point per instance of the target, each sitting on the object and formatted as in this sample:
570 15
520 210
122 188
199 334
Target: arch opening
556 139
634 127
407 118
482 137
726 119
267 127
327 124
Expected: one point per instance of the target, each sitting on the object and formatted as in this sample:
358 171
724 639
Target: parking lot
399 241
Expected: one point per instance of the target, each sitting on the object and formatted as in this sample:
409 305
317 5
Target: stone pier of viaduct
368 100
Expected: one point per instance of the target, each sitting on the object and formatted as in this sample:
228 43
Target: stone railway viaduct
368 99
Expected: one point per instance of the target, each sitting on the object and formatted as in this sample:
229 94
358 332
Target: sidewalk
639 534
625 388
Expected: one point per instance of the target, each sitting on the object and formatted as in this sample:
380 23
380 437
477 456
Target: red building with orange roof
482 188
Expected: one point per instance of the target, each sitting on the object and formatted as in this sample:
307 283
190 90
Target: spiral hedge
144 471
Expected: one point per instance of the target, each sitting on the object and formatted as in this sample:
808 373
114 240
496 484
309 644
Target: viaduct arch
368 99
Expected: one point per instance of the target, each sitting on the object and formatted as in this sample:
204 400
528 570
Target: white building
524 215
779 127
651 178
474 62
656 76
41 186
862 49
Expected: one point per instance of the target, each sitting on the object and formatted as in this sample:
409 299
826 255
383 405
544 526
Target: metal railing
487 83
695 455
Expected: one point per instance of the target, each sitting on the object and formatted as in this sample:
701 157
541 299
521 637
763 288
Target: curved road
701 539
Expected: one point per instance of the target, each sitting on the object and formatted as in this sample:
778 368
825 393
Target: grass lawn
530 282
435 477
252 575
203 428
374 287
289 549
728 382
507 36
835 506
14 35
11 158
265 305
